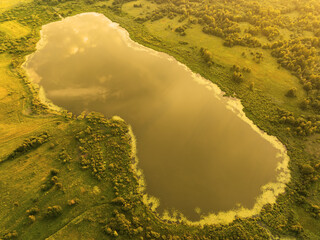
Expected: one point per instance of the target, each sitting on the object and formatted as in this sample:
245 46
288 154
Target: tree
237 77
207 55
292 93
53 211
306 169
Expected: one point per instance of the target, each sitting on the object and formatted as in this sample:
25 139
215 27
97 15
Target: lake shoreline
270 191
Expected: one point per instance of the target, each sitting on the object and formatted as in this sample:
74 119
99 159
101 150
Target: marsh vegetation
183 125
277 40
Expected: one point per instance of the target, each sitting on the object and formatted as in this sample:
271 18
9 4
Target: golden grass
14 124
267 76
14 29
3 93
147 7
7 4
11 90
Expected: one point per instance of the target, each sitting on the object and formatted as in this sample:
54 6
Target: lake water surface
194 151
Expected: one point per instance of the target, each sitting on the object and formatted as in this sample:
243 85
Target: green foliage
54 172
33 211
10 235
73 202
104 145
137 5
52 180
221 18
119 201
180 30
306 169
119 223
206 55
53 212
32 218
237 77
300 56
302 125
29 144
251 86
64 157
292 93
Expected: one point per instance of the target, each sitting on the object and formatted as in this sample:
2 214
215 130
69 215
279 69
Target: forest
295 51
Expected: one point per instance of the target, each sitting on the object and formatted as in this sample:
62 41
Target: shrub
206 55
53 211
237 77
54 172
10 235
73 201
155 234
251 86
118 201
306 169
59 185
292 93
108 230
33 211
28 145
32 218
304 104
54 179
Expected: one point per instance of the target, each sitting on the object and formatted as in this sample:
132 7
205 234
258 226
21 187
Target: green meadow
72 177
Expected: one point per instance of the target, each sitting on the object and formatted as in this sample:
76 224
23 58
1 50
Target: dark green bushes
237 77
207 56
10 235
292 93
73 202
33 211
29 145
53 212
52 180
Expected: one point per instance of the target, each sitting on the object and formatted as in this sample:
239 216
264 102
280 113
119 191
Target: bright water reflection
193 150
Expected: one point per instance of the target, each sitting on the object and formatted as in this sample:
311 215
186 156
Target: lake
194 149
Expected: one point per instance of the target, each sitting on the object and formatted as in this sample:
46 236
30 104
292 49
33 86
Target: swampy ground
71 177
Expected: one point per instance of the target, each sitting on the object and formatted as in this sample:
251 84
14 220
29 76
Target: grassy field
104 145
21 179
7 4
13 29
24 177
267 76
